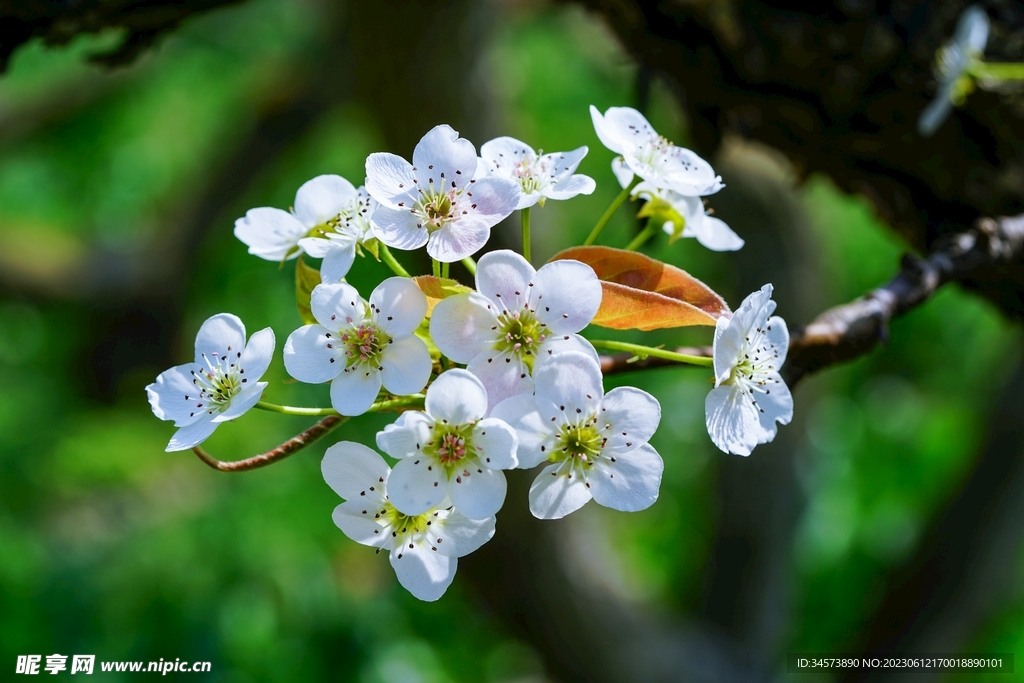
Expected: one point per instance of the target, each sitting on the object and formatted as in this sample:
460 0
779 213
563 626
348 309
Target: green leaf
306 278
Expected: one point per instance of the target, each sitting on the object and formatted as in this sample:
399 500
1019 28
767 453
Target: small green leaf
306 278
659 212
371 245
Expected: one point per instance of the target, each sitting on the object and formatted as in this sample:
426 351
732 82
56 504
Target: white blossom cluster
509 382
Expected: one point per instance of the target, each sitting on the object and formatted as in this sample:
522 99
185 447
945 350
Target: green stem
1000 71
645 234
292 410
470 265
436 267
644 351
411 401
445 269
610 211
389 260
526 233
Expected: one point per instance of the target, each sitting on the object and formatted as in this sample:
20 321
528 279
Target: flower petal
406 362
774 405
557 344
456 397
504 277
536 435
400 306
572 186
356 520
399 228
495 443
406 436
461 326
566 296
173 396
422 571
221 336
630 417
355 389
458 535
554 495
571 381
337 262
193 434
502 153
323 198
630 483
389 178
242 402
778 336
478 492
417 485
623 173
311 356
442 157
493 199
732 420
620 128
335 304
255 358
351 468
562 165
459 239
502 373
271 234
714 234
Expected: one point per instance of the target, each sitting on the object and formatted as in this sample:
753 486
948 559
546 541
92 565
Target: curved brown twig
292 445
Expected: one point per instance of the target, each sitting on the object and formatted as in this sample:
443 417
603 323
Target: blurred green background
110 546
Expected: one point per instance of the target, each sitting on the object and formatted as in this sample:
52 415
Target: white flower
549 176
749 394
517 319
424 548
451 450
952 62
330 218
220 385
435 200
595 443
358 345
711 232
625 131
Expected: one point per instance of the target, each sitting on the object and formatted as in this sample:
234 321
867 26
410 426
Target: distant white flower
360 345
750 395
220 385
424 548
330 218
711 232
516 320
625 131
435 200
952 62
595 443
541 177
451 450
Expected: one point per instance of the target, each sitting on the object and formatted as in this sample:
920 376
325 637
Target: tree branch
292 445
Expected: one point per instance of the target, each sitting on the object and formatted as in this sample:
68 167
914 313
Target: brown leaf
437 288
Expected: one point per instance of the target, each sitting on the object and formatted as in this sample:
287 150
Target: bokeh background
118 192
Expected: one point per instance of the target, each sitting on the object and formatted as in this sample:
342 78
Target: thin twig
292 445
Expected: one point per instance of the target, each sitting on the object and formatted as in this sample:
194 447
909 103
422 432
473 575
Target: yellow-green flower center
581 442
451 445
520 333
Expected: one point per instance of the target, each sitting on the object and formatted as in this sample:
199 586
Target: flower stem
644 351
445 269
436 267
610 211
390 262
998 71
292 410
292 445
645 234
470 265
526 233
410 401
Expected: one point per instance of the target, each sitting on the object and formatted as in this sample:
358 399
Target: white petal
623 173
620 128
566 296
192 435
444 157
503 153
221 335
630 483
407 435
557 344
495 443
456 397
553 495
271 234
407 365
417 485
337 262
388 176
173 396
534 431
732 420
308 358
400 305
562 165
633 416
461 326
356 520
355 389
775 405
351 469
503 374
714 234
495 198
572 186
571 381
778 336
504 277
477 492
323 198
423 572
399 228
258 353
336 304
459 535
731 334
459 239
242 402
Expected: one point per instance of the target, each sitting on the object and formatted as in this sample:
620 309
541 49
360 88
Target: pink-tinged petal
503 374
406 436
506 278
174 396
458 535
630 483
242 402
323 198
459 239
535 431
406 362
271 234
417 484
477 492
337 262
355 472
495 443
732 420
555 495
255 358
775 404
355 389
572 186
571 381
399 304
503 153
456 397
629 417
389 178
422 571
490 200
399 228
566 296
356 520
441 158
461 326
221 336
192 435
336 305
312 355
623 173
